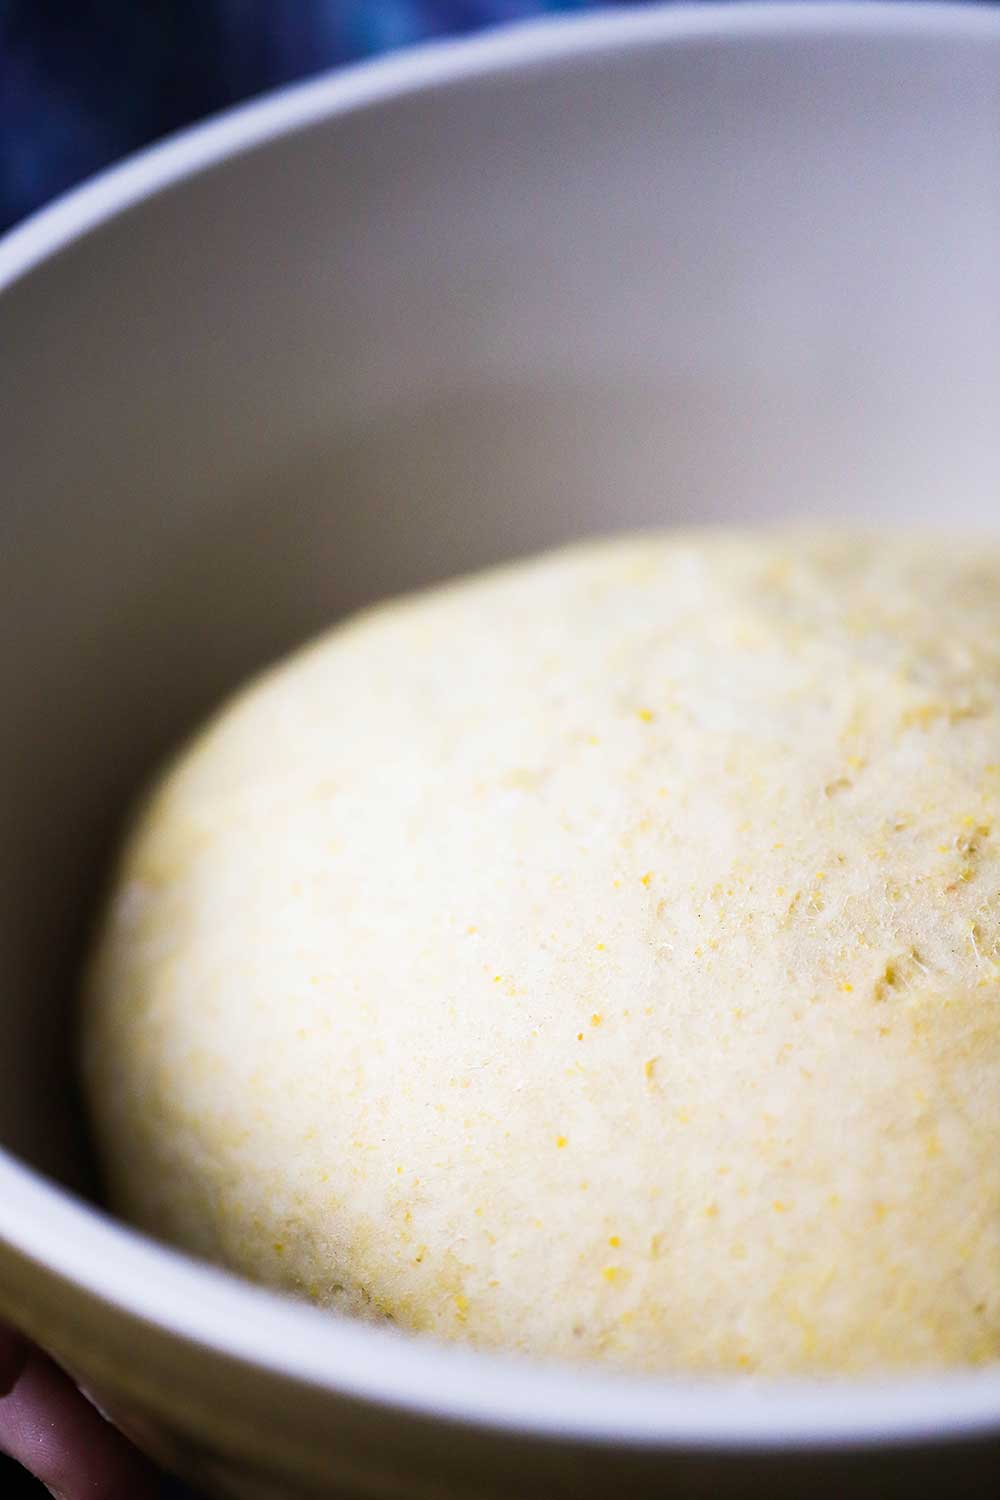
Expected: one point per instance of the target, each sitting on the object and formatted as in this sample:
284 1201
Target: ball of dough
599 958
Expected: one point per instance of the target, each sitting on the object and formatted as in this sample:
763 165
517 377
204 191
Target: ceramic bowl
704 264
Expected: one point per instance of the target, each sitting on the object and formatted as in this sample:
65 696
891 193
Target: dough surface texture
598 958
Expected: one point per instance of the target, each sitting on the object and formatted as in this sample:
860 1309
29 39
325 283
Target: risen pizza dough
599 958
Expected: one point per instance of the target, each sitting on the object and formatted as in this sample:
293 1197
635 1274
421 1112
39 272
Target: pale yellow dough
599 958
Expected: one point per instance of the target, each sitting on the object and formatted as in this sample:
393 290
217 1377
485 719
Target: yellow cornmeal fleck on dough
726 809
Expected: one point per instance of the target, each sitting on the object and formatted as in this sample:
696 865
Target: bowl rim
103 1259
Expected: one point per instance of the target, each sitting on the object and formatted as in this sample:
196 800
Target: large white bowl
684 263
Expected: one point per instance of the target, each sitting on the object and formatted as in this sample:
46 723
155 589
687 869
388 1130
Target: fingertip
55 1432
